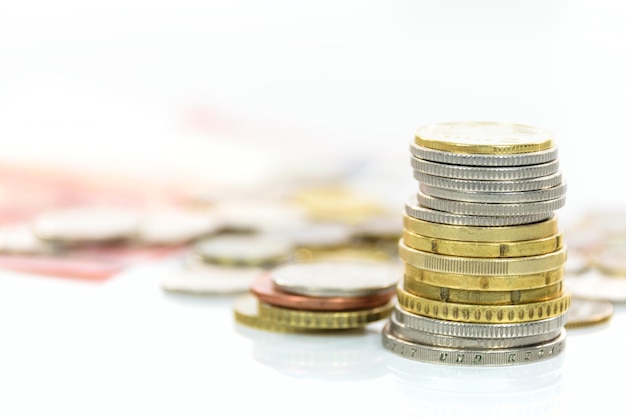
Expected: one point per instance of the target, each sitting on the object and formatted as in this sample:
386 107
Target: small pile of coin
483 281
227 263
319 296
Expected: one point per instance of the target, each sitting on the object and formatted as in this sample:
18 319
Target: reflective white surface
126 347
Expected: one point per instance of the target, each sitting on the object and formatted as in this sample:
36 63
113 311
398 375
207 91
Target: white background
108 86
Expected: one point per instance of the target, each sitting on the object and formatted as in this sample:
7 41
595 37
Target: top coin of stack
483 281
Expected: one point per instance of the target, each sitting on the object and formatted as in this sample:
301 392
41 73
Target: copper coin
266 291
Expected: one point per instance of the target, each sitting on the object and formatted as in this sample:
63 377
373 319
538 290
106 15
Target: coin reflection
436 390
342 355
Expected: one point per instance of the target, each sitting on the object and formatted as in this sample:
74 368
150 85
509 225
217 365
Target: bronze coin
266 291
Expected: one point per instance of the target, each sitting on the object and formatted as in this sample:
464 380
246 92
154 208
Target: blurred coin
175 225
244 250
340 204
606 221
337 278
86 224
585 313
19 239
610 259
259 216
319 234
211 279
577 262
266 291
380 227
596 286
351 252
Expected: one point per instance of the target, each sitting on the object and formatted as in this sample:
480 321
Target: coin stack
483 256
319 296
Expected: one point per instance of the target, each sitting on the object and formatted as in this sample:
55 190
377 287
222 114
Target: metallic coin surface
545 194
455 158
577 262
464 172
538 230
434 339
478 330
246 311
480 297
266 291
484 186
483 249
172 226
474 313
483 282
86 224
249 250
483 266
319 234
320 320
489 209
586 313
610 259
19 239
413 209
473 357
349 278
484 138
596 286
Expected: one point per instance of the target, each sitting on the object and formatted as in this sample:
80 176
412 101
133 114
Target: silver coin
586 313
596 286
413 209
176 225
211 279
478 330
512 186
348 278
434 339
546 194
489 209
18 239
473 357
464 172
530 158
252 250
577 261
260 216
319 234
86 224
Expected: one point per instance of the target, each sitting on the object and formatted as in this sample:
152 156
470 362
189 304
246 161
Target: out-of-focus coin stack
323 295
483 255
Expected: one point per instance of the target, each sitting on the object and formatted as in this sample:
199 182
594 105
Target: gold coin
246 311
531 231
585 313
353 252
321 320
482 266
483 249
473 313
482 282
339 204
454 295
484 138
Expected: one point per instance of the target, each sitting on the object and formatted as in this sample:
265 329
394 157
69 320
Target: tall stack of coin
483 281
319 295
